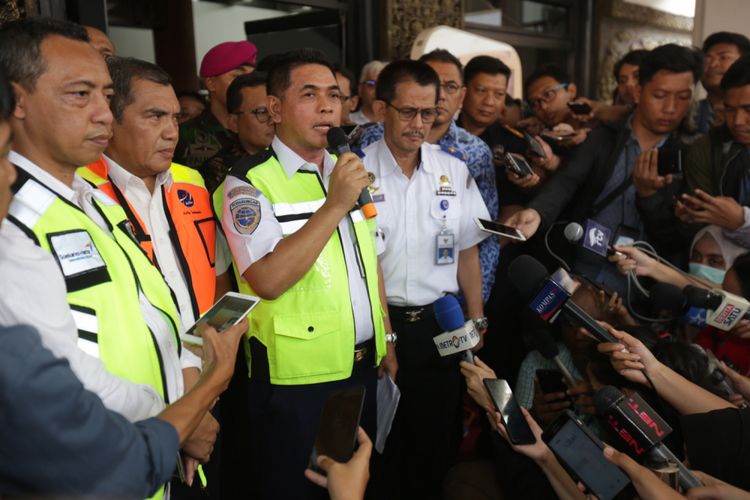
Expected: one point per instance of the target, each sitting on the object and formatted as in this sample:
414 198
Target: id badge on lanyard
445 246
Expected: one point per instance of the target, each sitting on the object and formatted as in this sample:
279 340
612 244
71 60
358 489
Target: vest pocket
307 345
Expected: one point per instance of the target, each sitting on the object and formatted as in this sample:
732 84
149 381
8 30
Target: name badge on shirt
445 248
76 253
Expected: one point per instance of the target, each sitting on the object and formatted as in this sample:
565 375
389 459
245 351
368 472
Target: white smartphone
228 311
489 226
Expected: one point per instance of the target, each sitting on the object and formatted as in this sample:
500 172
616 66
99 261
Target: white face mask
709 273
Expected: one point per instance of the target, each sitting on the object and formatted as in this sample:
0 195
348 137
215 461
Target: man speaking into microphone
427 241
300 241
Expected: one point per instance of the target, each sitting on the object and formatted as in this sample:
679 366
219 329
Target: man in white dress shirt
62 120
426 201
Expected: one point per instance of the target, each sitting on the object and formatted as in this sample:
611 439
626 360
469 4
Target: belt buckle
414 315
360 354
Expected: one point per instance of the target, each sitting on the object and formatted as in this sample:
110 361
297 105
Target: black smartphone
517 165
515 423
533 145
579 451
337 430
551 381
579 108
669 160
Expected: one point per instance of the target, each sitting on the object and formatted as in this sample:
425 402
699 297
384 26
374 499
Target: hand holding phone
580 453
228 311
518 429
489 226
337 431
580 108
518 165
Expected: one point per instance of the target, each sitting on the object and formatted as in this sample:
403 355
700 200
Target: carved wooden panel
9 11
405 19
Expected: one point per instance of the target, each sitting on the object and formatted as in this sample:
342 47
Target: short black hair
485 64
234 91
7 98
20 46
634 58
191 94
740 41
280 72
405 70
738 74
125 70
672 58
349 75
443 56
551 70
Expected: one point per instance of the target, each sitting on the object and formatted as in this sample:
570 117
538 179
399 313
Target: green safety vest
103 275
308 331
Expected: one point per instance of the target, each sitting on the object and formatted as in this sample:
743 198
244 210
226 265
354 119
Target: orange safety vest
191 221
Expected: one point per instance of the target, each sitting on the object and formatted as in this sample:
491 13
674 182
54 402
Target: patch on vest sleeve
246 215
243 190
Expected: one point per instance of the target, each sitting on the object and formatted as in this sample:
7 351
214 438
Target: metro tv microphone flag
459 335
337 140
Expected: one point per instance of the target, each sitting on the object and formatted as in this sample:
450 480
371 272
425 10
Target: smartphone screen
517 165
337 430
228 311
518 429
581 454
501 229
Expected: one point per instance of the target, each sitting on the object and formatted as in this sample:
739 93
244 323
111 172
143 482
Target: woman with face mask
711 254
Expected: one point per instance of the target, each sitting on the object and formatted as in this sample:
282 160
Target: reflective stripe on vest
103 296
308 331
187 205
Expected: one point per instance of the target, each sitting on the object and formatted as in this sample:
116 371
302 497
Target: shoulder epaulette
241 167
455 152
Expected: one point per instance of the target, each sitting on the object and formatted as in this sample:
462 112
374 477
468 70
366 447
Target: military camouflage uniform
217 167
200 139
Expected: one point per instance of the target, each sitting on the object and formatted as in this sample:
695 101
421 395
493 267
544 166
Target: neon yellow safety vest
103 275
308 332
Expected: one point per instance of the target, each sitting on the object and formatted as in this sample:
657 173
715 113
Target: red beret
226 57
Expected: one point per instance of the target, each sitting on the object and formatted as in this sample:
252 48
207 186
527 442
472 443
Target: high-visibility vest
103 275
308 332
187 206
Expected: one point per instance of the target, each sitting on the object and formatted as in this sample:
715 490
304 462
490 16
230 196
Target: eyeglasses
547 96
450 88
261 114
427 115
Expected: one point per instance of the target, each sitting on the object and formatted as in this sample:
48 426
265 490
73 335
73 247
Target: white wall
133 42
215 23
720 15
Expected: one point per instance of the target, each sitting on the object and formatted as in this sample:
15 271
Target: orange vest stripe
192 228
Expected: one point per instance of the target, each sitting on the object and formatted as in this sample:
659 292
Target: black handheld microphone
337 140
641 430
548 298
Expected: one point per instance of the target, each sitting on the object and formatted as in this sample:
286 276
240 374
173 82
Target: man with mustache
121 307
300 241
446 132
427 240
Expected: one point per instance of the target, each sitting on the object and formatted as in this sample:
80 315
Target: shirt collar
388 164
124 179
633 138
56 185
291 162
451 136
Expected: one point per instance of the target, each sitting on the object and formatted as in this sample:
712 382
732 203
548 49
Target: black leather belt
411 314
362 350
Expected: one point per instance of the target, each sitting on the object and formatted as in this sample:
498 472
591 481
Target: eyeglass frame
455 86
555 89
256 112
413 112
